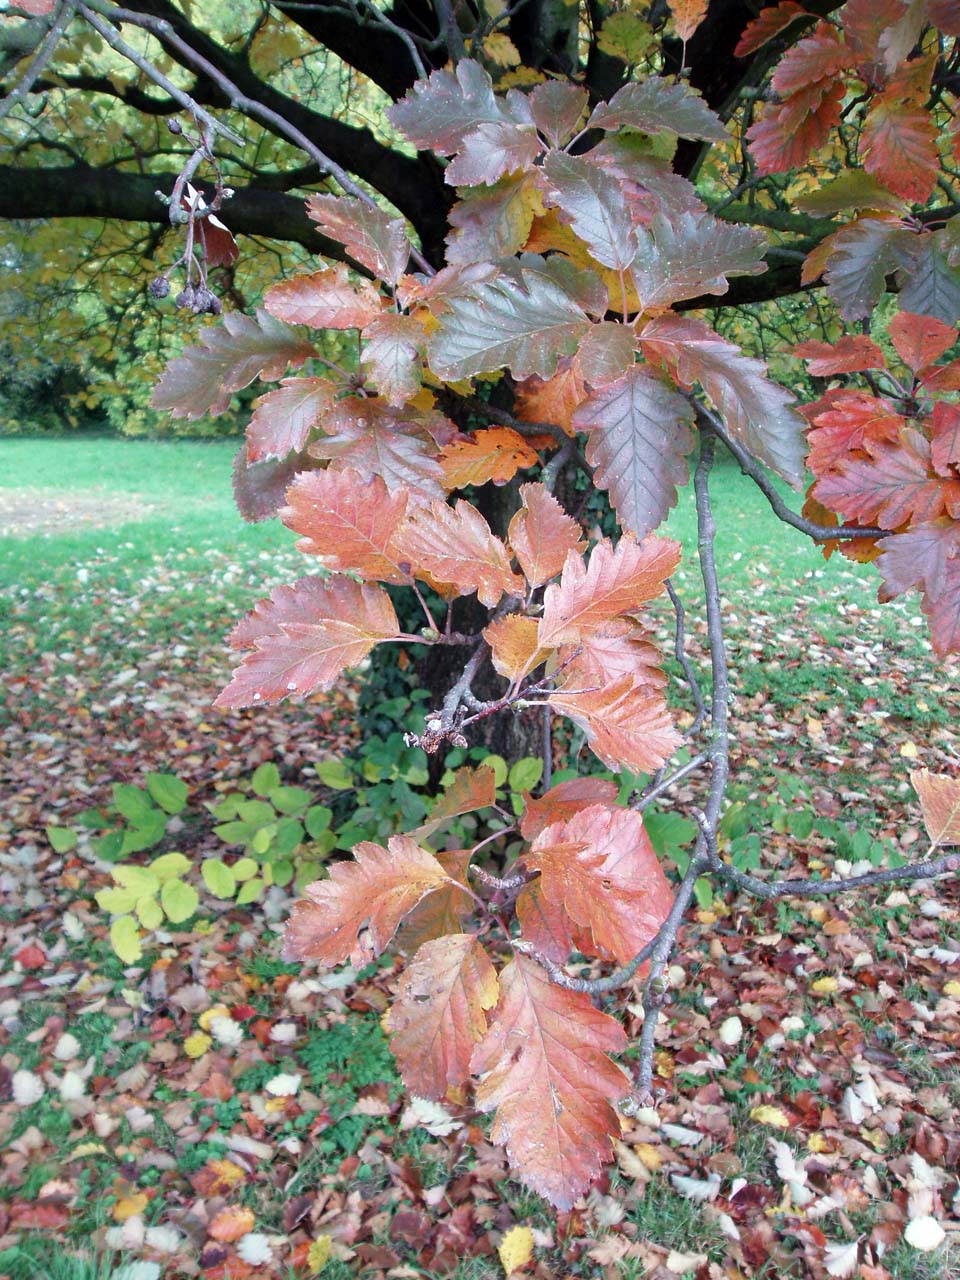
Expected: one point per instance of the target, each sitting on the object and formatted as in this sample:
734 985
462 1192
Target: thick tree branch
40 59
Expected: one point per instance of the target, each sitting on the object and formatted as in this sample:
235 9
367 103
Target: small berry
186 297
160 287
175 126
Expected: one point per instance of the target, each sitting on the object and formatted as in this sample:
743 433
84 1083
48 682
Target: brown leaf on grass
940 801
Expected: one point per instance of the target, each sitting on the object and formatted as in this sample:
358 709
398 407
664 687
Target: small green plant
136 820
145 897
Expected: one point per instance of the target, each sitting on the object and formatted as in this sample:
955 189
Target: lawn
144 1122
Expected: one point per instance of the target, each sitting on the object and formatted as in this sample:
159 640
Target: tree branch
40 59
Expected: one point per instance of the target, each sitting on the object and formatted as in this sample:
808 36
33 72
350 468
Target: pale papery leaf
201 381
372 237
615 582
639 433
558 108
327 299
423 1113
377 439
514 650
440 1013
392 356
842 1260
378 887
561 802
686 256
591 200
940 801
303 657
544 1068
259 487
924 1234
525 319
352 523
628 724
656 105
700 1189
438 113
601 867
454 546
541 534
758 413
283 419
492 150
496 454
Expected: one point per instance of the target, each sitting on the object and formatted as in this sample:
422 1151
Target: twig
659 786
826 888
680 652
589 986
40 59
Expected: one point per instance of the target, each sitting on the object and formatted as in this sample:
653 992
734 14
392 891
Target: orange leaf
626 724
545 1069
378 888
230 1224
555 399
767 24
454 546
351 522
495 454
541 533
439 1014
443 911
940 800
849 354
920 340
615 582
513 645
470 789
687 16
899 146
563 801
324 300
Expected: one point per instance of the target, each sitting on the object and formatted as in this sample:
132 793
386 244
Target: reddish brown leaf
788 135
849 354
687 16
440 1013
283 419
471 789
945 440
541 535
324 300
615 582
514 650
849 423
443 911
561 802
767 24
899 145
393 356
545 1069
259 488
889 487
303 656
350 522
927 557
940 801
454 546
398 445
920 340
606 353
377 888
370 236
496 454
600 866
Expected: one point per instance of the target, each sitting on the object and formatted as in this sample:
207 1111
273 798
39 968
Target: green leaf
219 878
335 774
266 778
167 791
149 913
125 939
149 831
138 880
703 892
227 808
668 832
316 820
93 819
179 900
289 799
132 802
109 847
282 872
170 865
244 868
499 767
289 836
257 812
524 319
235 832
63 839
262 840
526 773
249 892
116 901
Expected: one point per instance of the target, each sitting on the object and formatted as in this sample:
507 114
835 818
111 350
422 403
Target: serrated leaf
544 1068
470 789
853 189
656 106
591 200
514 650
375 439
561 802
440 1013
455 547
767 24
125 939
687 16
179 900
350 522
554 400
842 1260
686 256
345 621
849 354
370 236
929 285
228 358
438 113
890 486
627 723
541 534
757 412
639 433
218 877
939 796
600 868
627 36
860 259
557 108
524 319
489 223
258 489
283 419
442 912
920 339
377 888
606 353
614 583
326 299
899 146
496 454
492 150
392 356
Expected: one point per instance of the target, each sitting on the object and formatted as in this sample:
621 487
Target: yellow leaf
130 1206
125 939
196 1046
820 914
208 1015
516 1249
87 1149
318 1255
648 1154
501 50
825 986
818 1144
910 750
951 988
771 1115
